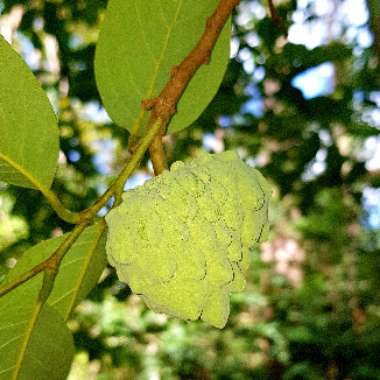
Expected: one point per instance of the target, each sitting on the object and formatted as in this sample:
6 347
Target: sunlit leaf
33 344
28 127
140 42
79 271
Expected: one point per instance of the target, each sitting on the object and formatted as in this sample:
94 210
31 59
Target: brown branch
157 155
164 106
276 18
162 109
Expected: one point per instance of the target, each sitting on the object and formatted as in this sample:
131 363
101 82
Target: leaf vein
10 341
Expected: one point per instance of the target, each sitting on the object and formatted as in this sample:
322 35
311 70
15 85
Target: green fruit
183 239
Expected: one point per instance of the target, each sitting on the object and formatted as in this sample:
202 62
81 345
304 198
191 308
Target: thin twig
157 155
162 110
164 106
50 264
55 203
65 214
53 262
117 186
276 18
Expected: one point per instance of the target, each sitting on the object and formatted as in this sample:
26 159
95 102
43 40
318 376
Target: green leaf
28 127
33 344
139 44
79 271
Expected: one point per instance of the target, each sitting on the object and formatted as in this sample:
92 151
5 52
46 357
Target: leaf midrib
136 123
37 308
84 269
24 172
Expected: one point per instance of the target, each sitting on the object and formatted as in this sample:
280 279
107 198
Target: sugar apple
182 240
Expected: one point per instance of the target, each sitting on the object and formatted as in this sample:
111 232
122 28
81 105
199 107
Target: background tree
306 112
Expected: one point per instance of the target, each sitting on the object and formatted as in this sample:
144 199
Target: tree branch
117 186
157 155
276 18
162 109
51 265
164 106
55 203
65 214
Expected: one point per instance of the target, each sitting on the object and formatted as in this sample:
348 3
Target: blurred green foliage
312 306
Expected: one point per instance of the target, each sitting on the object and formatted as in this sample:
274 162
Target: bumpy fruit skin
182 240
